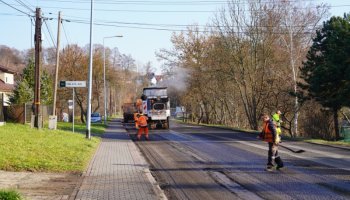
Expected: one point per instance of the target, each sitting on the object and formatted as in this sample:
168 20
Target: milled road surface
196 162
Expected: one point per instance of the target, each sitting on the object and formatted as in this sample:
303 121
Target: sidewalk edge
75 192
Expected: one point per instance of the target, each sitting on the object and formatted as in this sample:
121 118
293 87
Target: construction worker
135 119
276 119
269 135
141 121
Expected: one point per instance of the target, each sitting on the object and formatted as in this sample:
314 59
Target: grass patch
10 195
335 143
96 128
284 136
25 149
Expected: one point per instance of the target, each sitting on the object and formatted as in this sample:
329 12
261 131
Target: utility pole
110 100
37 40
88 109
104 77
56 73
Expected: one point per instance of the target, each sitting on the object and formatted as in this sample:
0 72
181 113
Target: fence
345 133
22 113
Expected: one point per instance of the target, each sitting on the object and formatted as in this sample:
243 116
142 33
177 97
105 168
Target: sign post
73 85
71 107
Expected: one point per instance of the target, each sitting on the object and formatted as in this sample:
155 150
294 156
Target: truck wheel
167 125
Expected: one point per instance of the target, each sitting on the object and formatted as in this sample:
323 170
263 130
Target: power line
13 14
112 25
25 5
148 2
157 11
185 3
168 29
65 34
48 29
123 10
17 9
131 23
80 19
30 4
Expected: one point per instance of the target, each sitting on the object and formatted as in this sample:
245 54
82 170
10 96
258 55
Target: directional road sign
72 84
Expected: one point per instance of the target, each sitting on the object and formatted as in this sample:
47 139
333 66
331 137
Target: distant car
96 117
65 117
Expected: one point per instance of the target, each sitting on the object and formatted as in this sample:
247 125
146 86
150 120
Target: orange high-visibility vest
268 137
142 121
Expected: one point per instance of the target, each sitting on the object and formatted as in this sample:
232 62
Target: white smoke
177 79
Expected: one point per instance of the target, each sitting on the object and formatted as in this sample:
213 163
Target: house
7 85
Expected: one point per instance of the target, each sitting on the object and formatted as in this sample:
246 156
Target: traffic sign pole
73 85
73 111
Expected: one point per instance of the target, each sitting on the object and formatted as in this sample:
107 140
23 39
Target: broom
294 151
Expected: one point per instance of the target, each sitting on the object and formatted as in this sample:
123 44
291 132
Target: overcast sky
146 26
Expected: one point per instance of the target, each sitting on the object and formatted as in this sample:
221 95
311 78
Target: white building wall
2 76
6 99
8 78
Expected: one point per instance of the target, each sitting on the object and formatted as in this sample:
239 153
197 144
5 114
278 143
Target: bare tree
298 23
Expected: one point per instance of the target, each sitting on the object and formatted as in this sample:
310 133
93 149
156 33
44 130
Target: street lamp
88 109
104 76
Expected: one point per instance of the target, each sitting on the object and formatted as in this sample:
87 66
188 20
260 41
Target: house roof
159 77
7 69
6 87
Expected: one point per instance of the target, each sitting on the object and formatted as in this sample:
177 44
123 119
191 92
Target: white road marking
234 187
300 156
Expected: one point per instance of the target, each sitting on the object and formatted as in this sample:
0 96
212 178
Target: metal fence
22 113
345 133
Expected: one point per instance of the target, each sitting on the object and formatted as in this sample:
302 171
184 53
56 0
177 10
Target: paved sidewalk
117 170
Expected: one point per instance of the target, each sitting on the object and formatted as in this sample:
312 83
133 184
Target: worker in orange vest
135 119
141 120
269 135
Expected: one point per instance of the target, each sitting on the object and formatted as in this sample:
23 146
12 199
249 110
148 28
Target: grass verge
96 128
10 195
334 143
25 149
317 141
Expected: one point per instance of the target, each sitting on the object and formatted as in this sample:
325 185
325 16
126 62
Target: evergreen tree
327 70
24 91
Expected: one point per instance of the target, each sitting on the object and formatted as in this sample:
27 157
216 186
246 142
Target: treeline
123 81
248 61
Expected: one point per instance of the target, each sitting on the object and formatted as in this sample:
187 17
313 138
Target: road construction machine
156 106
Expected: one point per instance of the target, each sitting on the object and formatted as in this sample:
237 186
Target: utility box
40 121
52 122
345 132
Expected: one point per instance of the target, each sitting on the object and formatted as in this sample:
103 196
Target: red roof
6 87
7 69
158 77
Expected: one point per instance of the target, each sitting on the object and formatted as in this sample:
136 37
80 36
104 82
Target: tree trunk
292 63
82 116
336 123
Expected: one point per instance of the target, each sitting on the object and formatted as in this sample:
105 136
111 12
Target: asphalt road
196 162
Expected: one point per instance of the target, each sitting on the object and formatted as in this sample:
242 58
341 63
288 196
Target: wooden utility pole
37 40
53 117
57 63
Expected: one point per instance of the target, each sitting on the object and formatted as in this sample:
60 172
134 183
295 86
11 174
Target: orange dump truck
128 112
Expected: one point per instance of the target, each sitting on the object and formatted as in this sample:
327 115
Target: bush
9 195
319 124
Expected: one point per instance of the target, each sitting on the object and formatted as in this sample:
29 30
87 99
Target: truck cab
156 106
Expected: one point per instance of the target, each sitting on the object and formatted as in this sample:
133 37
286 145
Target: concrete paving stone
117 170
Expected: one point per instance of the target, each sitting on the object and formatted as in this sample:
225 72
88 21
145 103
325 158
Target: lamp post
104 77
88 109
